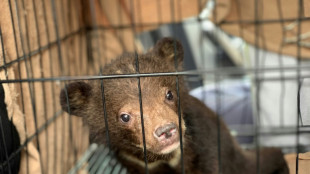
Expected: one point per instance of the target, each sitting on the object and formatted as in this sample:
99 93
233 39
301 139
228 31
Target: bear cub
112 109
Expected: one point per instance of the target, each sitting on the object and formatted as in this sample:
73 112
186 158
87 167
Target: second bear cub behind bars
162 106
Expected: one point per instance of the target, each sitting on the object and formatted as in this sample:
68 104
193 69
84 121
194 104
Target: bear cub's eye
169 95
125 118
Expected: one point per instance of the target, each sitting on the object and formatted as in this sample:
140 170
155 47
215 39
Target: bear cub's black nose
166 130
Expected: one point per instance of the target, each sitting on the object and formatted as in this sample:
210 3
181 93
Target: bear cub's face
121 102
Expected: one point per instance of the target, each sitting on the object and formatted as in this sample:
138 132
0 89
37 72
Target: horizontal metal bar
154 24
267 21
249 130
215 72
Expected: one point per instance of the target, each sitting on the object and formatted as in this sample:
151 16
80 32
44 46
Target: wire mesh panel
68 69
36 35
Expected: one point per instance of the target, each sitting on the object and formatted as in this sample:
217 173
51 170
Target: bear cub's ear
75 95
169 49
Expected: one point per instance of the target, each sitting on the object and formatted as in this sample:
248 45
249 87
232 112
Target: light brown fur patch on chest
173 162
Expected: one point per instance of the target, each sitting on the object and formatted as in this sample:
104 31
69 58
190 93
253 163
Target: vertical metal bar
76 72
120 32
280 60
240 17
72 144
65 29
177 87
262 36
202 55
218 109
298 36
95 28
217 79
105 113
21 89
142 119
3 55
257 83
79 10
132 16
68 71
97 34
47 32
1 125
68 109
56 26
83 35
180 125
5 148
42 83
30 85
104 45
102 83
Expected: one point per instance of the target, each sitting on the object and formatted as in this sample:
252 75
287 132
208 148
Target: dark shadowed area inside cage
155 87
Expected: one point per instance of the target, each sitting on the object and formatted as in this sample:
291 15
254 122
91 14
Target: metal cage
246 60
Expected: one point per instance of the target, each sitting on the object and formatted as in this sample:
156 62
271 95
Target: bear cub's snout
166 131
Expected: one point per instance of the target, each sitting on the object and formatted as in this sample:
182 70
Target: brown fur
199 124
